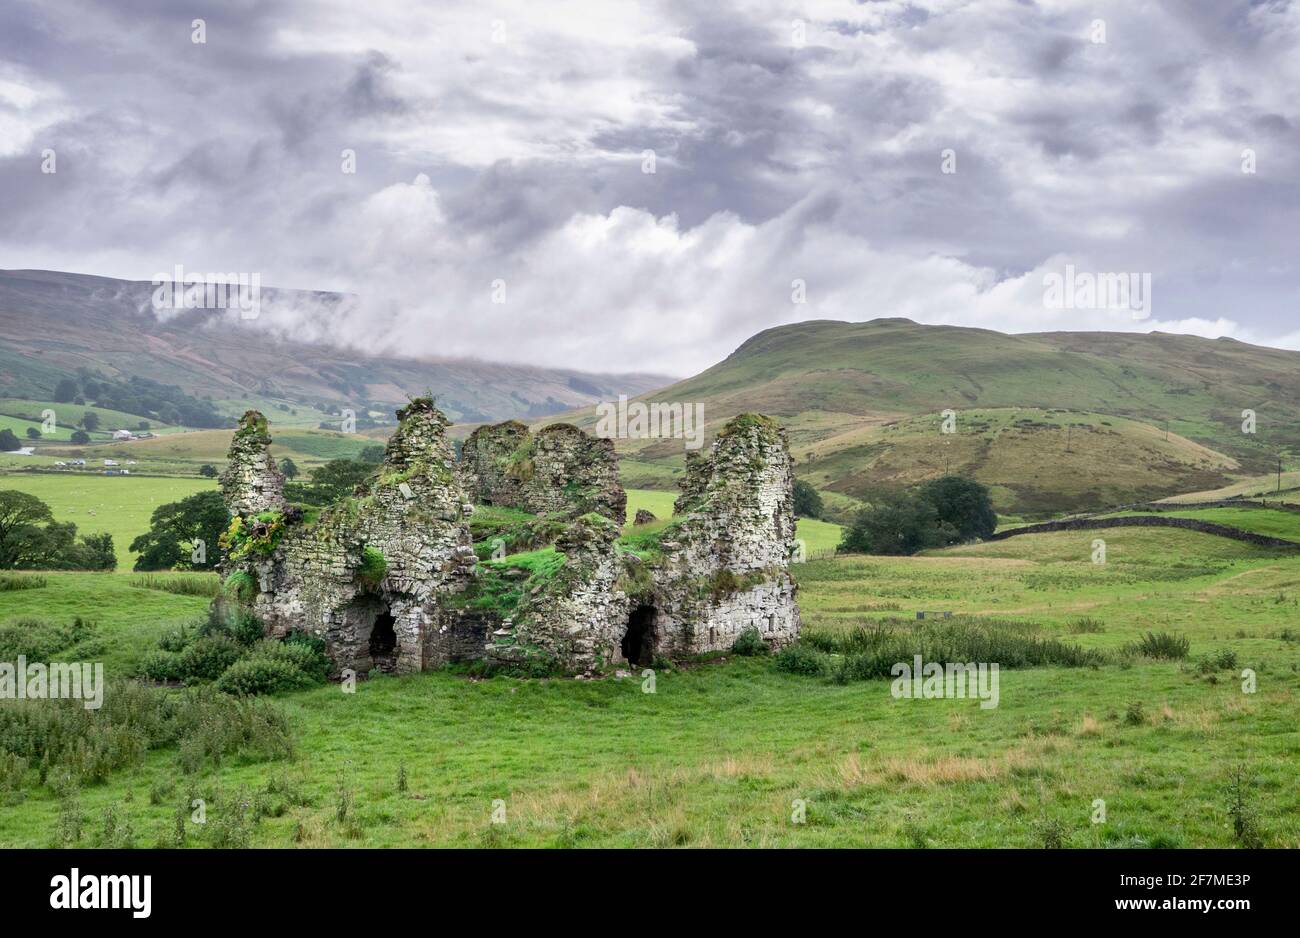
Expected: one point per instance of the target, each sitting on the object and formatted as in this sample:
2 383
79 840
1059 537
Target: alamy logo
241 291
103 892
933 680
62 680
1085 290
640 421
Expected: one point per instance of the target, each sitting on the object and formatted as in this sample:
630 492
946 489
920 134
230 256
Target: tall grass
869 653
21 581
182 584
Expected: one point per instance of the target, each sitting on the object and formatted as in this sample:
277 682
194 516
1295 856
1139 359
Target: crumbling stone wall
559 470
252 482
390 553
398 555
491 469
726 566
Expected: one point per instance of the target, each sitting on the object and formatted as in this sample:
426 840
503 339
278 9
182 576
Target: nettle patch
259 535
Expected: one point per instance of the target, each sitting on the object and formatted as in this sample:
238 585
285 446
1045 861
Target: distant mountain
1053 421
52 324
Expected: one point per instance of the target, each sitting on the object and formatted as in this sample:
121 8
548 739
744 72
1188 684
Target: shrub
207 657
1245 822
38 640
1135 714
162 666
261 674
750 644
1161 646
801 659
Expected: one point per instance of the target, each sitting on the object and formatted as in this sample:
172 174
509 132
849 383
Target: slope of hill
1056 421
53 323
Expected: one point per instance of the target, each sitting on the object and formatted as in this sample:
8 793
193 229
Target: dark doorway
639 639
383 642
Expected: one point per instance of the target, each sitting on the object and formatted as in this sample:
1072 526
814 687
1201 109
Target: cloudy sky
501 205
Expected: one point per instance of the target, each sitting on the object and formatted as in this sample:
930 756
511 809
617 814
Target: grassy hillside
1056 421
720 752
108 327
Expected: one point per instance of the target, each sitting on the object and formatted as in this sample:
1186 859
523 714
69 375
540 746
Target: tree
337 478
807 500
372 454
33 433
20 516
80 436
208 471
90 420
963 503
175 529
288 468
897 524
65 391
8 442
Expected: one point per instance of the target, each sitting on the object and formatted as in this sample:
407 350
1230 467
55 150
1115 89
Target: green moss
517 530
240 585
502 584
373 566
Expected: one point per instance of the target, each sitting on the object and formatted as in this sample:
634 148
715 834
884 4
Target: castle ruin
411 572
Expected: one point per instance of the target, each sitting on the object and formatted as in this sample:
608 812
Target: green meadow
730 751
119 505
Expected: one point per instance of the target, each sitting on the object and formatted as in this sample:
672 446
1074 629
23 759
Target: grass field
720 752
120 505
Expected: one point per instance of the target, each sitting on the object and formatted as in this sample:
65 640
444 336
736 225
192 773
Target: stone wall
559 470
251 482
382 559
492 470
1152 521
377 575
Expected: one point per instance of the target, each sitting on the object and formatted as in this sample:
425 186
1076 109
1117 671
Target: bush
750 644
207 657
896 524
261 674
1162 646
162 666
38 640
801 659
807 500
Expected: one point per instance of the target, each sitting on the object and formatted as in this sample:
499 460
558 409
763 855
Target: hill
52 324
1055 421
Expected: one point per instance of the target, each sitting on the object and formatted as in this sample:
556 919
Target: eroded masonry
516 553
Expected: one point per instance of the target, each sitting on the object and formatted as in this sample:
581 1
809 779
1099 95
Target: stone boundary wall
1149 521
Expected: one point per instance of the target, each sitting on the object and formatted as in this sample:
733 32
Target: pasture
724 752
